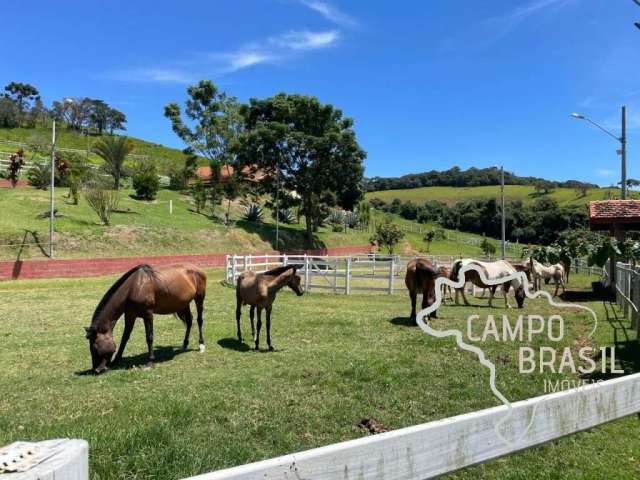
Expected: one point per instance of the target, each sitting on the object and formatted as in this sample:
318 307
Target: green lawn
452 195
338 359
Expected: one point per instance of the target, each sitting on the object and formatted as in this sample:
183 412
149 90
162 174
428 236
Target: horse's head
520 295
295 282
102 347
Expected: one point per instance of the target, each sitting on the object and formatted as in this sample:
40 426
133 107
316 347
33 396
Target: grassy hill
146 228
452 195
65 138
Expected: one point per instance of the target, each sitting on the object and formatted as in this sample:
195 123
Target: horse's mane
114 288
276 272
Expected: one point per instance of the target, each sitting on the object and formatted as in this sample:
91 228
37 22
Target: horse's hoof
271 349
256 348
150 365
202 348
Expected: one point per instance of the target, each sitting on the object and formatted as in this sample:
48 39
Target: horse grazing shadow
403 322
234 344
162 353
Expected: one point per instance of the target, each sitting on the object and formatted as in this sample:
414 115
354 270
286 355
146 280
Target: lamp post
623 146
503 227
52 214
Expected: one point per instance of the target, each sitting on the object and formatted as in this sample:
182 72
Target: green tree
113 150
487 247
388 234
429 237
145 180
216 123
306 147
23 94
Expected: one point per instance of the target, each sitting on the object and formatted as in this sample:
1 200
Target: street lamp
503 246
623 146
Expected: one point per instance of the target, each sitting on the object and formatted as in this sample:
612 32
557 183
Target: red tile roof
250 172
606 213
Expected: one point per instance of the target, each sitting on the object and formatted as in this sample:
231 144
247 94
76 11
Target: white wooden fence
339 274
432 449
375 272
627 292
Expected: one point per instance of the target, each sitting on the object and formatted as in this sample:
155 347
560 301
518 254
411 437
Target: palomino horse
492 271
259 291
420 278
552 272
141 292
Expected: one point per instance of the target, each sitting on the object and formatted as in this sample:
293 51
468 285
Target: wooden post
244 263
249 261
170 207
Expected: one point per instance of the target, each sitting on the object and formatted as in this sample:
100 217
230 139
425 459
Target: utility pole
623 153
504 230
52 189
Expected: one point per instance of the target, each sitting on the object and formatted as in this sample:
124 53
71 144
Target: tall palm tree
113 150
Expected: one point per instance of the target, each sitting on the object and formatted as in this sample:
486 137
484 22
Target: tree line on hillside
472 177
22 106
540 222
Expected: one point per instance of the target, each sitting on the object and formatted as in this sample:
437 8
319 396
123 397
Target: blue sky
430 84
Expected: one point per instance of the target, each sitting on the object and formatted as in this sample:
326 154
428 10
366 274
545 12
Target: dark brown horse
259 291
141 292
420 278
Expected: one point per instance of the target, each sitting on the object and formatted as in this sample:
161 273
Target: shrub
16 162
286 215
178 179
199 195
351 219
253 213
388 234
39 176
336 217
102 200
487 247
145 180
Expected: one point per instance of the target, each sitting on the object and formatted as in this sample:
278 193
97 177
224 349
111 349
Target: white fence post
284 260
391 265
306 272
226 269
347 278
233 269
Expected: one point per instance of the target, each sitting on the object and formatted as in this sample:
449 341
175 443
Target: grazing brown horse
444 272
141 292
259 291
420 278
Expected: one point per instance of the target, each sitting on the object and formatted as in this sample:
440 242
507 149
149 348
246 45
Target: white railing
435 448
374 272
627 292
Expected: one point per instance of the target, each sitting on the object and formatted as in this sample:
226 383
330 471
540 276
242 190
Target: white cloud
331 13
502 25
605 172
155 75
244 59
306 40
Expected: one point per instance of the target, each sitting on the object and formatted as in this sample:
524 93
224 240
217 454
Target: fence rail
443 446
373 272
627 292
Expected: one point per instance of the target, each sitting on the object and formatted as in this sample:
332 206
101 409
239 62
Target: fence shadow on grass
627 349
